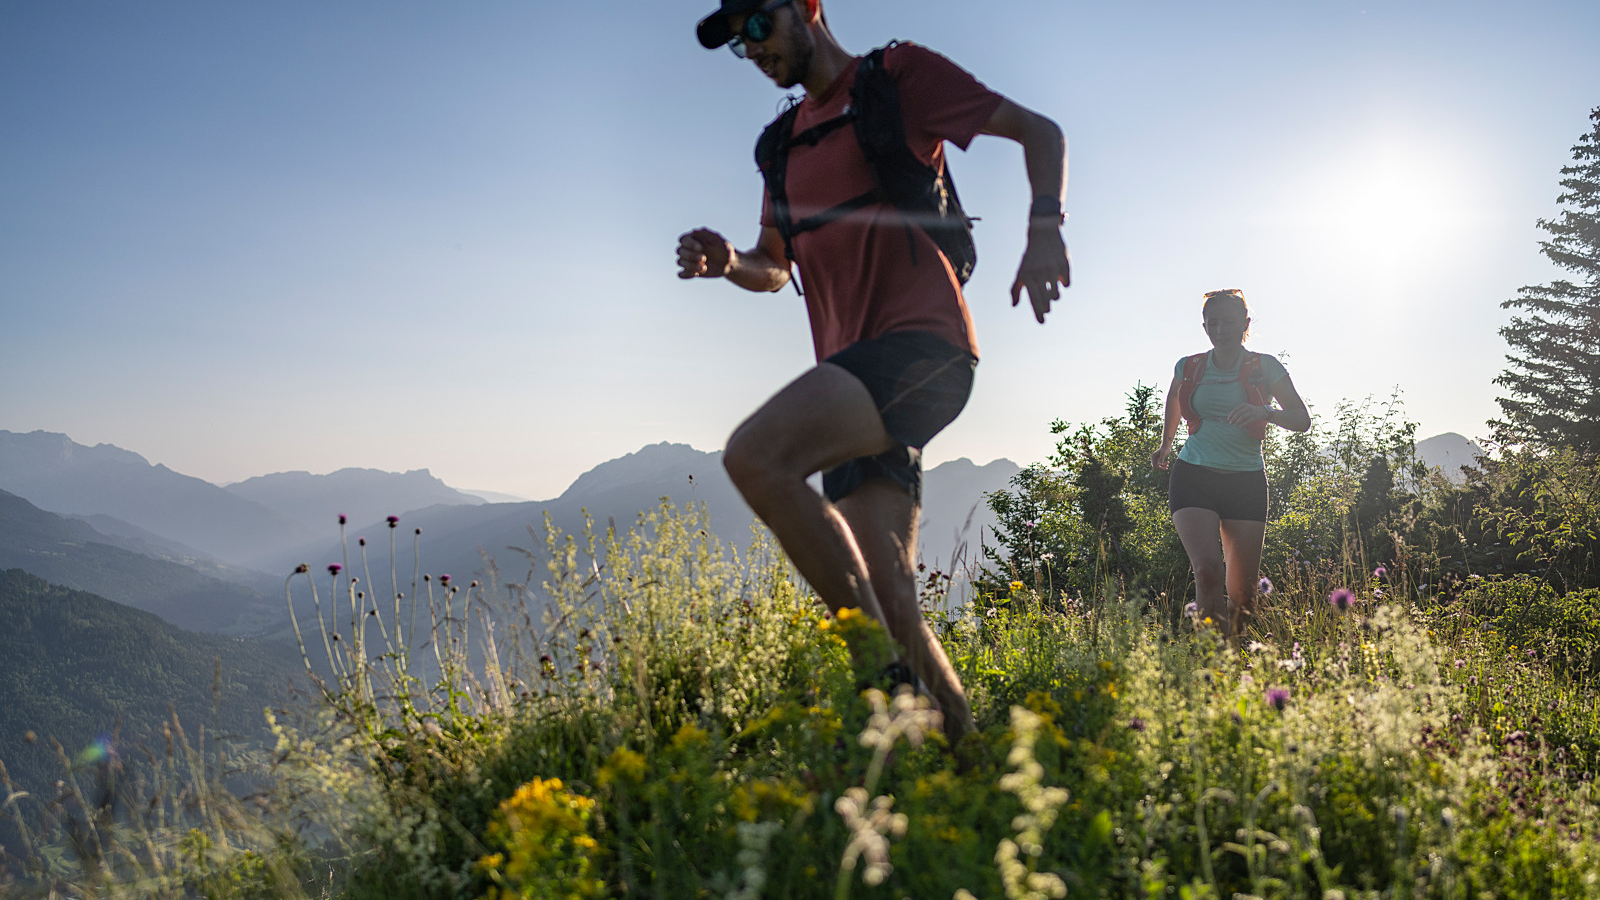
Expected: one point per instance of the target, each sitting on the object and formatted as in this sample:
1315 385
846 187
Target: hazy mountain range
211 558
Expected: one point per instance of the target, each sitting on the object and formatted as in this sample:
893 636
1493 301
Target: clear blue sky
246 238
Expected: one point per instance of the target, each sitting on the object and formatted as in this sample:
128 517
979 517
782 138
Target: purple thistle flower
333 568
1380 572
1341 599
1278 698
393 521
444 579
341 518
361 541
1265 585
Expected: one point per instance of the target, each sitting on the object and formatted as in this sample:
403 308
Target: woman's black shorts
919 382
1231 495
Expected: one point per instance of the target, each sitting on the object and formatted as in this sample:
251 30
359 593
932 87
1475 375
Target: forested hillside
74 665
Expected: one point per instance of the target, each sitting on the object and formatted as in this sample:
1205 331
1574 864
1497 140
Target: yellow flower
623 765
689 735
1016 586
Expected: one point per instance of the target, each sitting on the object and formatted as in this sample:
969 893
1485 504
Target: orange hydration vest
1249 375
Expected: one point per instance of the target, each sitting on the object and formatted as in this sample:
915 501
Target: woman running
1219 481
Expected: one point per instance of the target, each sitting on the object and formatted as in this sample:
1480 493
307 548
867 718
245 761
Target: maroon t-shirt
859 278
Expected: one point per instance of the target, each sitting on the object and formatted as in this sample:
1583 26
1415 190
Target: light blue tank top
1218 444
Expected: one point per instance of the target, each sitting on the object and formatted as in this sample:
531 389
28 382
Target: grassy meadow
653 713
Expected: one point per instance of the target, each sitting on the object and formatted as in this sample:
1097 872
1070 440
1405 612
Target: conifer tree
1553 380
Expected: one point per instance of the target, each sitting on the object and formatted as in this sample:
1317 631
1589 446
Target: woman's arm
1292 413
1169 426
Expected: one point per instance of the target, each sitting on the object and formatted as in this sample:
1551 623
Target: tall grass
653 714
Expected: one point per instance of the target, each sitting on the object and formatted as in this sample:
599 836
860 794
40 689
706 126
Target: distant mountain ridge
1449 452
465 541
56 474
71 553
313 501
274 522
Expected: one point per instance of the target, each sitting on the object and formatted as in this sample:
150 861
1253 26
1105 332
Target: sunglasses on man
758 26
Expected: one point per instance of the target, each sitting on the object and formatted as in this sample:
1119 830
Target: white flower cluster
754 839
873 822
871 825
1040 805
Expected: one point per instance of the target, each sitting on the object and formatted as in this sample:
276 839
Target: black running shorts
919 382
1231 495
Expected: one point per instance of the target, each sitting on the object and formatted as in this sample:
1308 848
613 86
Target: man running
893 338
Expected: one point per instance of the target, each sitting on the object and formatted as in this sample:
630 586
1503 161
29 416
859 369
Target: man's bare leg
884 520
821 419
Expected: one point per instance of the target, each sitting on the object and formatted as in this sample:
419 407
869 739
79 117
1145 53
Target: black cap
714 30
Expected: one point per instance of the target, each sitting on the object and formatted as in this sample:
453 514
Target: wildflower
1265 585
1377 593
1460 663
341 518
1016 586
1341 599
393 521
302 569
1190 610
1136 723
1474 577
1277 698
1380 572
444 579
1047 556
1255 646
333 568
361 541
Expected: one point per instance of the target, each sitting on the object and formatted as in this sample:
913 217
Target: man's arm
704 253
1044 151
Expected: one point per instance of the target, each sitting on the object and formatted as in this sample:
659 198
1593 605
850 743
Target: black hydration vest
924 196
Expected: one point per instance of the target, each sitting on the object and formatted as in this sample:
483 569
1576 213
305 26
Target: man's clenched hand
1044 266
703 253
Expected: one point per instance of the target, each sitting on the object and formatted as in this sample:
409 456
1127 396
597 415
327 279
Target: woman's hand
1159 459
1249 414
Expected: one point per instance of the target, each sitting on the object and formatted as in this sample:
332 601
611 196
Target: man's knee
750 463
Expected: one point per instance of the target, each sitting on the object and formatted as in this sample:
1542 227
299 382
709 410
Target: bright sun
1388 207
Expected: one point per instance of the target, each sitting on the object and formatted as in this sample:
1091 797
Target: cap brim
714 31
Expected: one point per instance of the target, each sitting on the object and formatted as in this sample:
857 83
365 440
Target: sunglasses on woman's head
757 27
